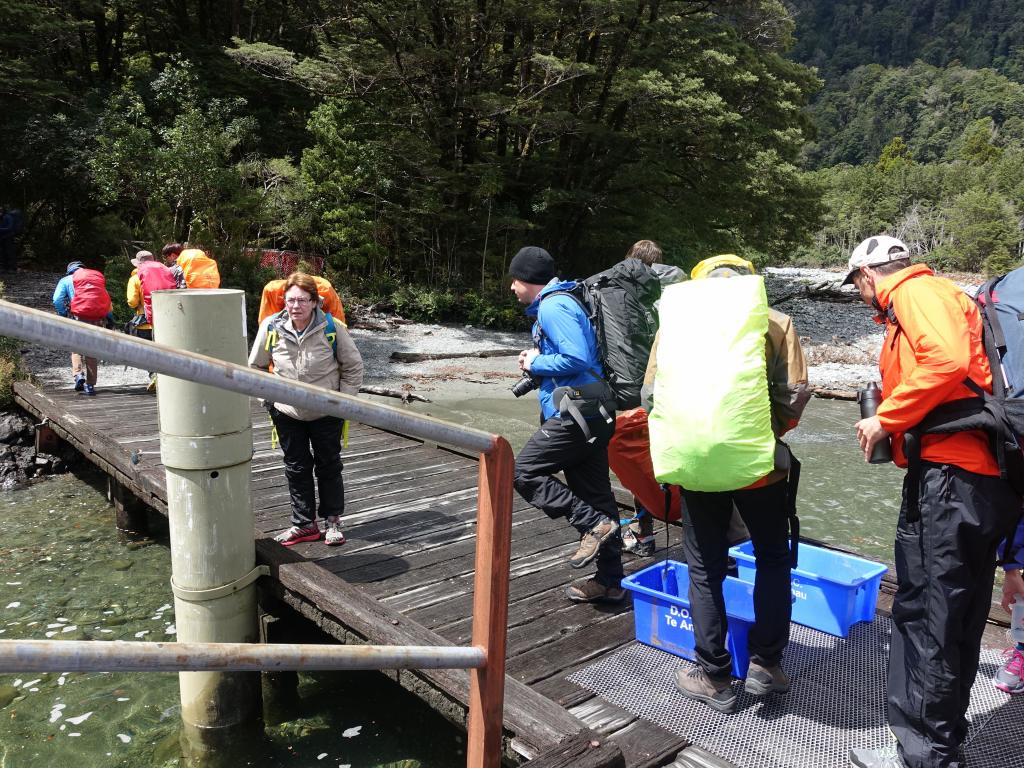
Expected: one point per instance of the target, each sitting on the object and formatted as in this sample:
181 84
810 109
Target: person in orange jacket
191 267
946 538
272 299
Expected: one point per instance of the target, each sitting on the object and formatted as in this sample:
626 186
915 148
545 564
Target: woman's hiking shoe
763 680
593 591
333 537
295 535
696 684
90 389
592 541
79 382
1008 678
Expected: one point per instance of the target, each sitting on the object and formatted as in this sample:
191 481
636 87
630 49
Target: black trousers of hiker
706 544
945 563
323 436
586 496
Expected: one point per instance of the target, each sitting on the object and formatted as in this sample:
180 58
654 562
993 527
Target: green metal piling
206 448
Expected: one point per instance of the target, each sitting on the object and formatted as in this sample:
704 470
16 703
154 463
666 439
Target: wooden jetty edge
406 575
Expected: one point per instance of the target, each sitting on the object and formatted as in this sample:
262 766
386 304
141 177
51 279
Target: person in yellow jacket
766 506
272 299
142 327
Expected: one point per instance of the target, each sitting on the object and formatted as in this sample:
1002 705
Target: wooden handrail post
490 606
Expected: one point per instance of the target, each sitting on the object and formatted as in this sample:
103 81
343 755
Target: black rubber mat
836 702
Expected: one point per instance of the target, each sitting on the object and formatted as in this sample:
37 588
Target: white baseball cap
876 250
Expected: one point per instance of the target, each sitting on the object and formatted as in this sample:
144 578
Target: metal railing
485 658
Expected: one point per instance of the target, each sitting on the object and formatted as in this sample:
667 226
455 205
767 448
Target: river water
842 500
67 575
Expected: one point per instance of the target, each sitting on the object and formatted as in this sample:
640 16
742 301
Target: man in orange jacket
946 541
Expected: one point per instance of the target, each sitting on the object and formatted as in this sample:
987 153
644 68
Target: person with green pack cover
729 379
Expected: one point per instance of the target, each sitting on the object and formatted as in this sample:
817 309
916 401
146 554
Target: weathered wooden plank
584 750
646 745
600 638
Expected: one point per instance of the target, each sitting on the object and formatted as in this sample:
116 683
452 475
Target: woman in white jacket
303 343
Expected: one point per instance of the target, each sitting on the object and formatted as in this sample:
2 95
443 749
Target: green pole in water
206 448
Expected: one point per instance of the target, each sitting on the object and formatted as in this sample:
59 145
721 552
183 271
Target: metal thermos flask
869 397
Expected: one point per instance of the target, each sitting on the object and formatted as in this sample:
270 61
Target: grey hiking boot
592 541
887 757
593 591
696 684
763 680
638 536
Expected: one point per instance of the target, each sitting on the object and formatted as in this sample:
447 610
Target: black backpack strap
792 487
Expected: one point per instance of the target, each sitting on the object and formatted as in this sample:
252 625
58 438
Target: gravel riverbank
841 341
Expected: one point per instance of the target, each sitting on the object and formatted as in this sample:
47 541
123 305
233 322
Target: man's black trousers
586 496
945 563
297 437
706 544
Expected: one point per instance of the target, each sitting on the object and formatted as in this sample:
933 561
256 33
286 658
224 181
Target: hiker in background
565 362
82 294
272 298
149 275
304 343
1009 678
191 267
10 225
629 448
722 399
954 511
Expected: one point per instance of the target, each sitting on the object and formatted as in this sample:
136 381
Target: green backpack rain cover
711 426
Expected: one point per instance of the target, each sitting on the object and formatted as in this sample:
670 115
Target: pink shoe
1008 678
294 535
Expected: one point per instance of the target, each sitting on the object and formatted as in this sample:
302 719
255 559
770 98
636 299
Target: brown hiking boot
593 591
762 680
694 683
592 541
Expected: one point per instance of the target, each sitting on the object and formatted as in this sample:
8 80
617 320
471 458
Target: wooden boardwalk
405 574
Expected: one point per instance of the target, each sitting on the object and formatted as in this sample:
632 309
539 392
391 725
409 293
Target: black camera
526 384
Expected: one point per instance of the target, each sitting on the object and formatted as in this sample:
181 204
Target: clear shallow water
65 574
842 500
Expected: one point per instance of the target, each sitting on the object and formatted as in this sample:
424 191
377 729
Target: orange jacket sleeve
939 335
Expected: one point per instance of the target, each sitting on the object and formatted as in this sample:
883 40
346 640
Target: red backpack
153 276
91 300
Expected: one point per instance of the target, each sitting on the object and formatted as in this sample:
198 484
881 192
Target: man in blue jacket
577 420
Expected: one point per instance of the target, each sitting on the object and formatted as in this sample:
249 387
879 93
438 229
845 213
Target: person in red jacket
955 508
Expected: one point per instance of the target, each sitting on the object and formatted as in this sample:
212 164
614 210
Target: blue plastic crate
832 591
661 611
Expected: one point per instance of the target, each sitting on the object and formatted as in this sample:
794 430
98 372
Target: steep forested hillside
920 126
837 36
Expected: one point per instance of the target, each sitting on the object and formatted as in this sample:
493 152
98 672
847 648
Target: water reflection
67 575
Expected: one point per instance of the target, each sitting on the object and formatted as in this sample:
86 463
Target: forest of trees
416 144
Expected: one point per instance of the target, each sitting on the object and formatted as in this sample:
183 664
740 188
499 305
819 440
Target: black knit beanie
532 265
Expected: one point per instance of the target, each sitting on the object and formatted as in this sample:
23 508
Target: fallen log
386 392
833 394
419 357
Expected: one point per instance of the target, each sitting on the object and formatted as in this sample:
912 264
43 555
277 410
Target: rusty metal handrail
494 507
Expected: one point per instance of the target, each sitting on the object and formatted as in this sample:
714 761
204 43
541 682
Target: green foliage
984 233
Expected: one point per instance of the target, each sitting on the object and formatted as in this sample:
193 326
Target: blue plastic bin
832 591
661 611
